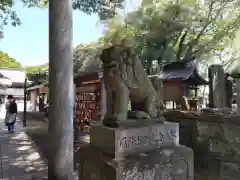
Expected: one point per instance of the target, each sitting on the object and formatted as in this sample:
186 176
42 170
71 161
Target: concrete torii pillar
60 165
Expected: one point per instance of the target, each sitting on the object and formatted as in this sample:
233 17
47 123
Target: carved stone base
175 163
113 123
134 136
136 150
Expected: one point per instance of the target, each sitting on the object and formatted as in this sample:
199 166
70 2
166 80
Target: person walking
11 113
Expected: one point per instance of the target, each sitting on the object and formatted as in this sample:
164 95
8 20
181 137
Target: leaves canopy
162 30
168 30
86 57
104 8
37 74
8 62
41 69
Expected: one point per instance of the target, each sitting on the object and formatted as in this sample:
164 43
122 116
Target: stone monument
238 95
133 144
216 86
228 90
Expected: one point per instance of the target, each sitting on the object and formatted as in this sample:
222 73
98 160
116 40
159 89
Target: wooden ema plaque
87 105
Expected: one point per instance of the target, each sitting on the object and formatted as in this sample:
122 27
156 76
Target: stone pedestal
137 150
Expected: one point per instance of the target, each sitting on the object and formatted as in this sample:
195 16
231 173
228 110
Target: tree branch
217 37
180 46
195 41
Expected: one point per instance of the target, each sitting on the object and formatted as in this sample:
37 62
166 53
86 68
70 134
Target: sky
28 43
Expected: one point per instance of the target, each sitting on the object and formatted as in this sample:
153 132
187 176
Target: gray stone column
228 91
238 95
60 90
216 86
103 97
103 101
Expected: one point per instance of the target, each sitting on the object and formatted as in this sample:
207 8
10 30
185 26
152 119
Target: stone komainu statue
125 79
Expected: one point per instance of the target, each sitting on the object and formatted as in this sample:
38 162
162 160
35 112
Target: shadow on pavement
40 137
20 160
18 156
37 130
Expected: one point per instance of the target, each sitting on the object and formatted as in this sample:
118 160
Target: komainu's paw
138 115
111 122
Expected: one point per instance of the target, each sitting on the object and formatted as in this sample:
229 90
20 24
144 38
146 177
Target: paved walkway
38 130
19 159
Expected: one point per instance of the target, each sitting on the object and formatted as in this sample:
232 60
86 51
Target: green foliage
8 62
177 30
7 15
41 69
37 74
35 3
85 56
104 8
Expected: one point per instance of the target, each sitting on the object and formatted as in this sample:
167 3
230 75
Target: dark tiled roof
185 71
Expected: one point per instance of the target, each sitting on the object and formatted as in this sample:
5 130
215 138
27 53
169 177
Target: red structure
89 101
173 89
179 78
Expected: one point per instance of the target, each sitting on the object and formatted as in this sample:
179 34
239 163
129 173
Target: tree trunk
60 162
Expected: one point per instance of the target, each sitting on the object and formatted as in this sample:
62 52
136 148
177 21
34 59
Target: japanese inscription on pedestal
146 139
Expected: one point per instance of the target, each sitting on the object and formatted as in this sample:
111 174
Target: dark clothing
11 113
10 126
13 107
